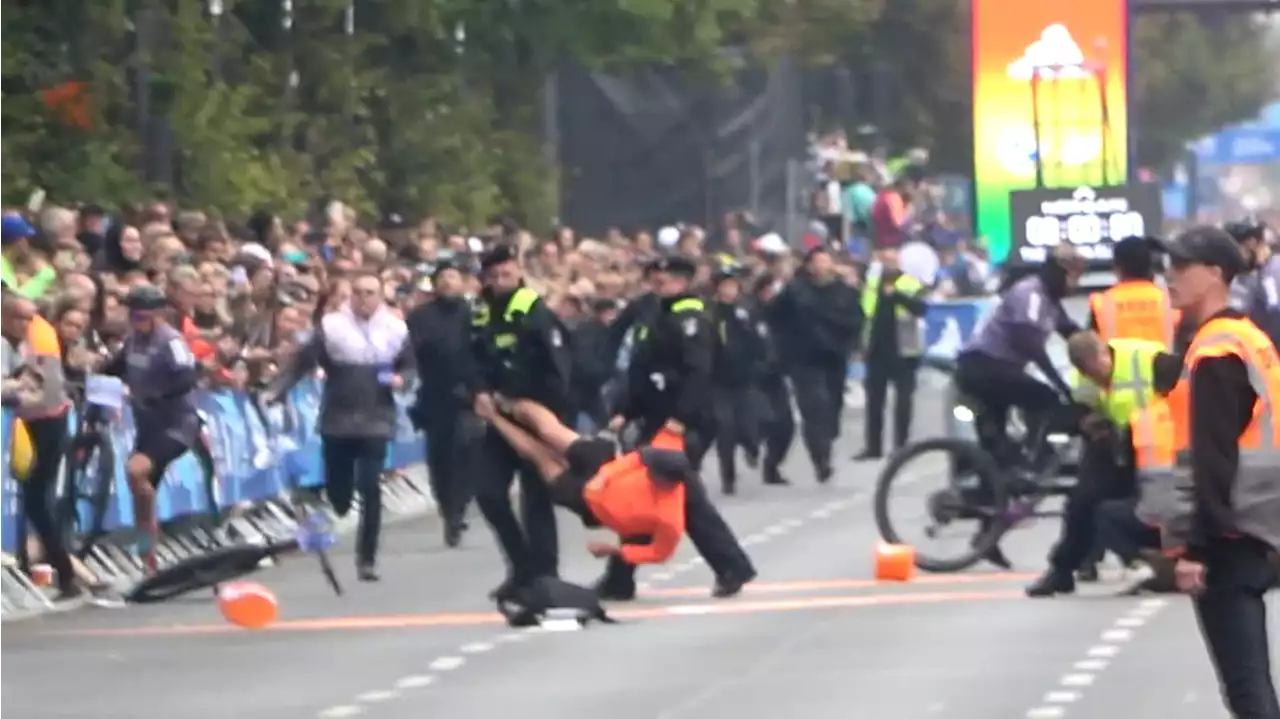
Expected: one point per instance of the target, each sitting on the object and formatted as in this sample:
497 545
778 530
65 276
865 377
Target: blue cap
15 227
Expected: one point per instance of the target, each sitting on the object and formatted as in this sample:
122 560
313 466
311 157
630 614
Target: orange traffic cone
247 604
895 562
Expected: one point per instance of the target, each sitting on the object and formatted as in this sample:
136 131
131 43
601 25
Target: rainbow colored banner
1065 63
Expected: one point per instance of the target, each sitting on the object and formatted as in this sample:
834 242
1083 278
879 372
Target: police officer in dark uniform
670 378
440 331
637 313
523 352
738 354
777 425
820 318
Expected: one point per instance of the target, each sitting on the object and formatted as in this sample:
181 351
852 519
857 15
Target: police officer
892 340
670 378
639 312
1112 379
736 369
1256 292
820 318
777 425
1223 520
523 352
1135 307
440 330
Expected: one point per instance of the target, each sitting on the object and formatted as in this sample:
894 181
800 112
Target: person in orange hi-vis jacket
650 496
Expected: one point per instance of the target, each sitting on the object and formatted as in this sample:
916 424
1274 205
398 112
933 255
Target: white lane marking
416 681
776 530
1091 665
376 696
1104 650
820 513
1050 712
752 540
1132 622
1077 680
697 560
690 609
1117 635
446 664
792 523
475 648
1060 697
514 637
340 712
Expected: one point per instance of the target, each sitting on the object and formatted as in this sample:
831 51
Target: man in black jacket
593 366
440 331
820 318
739 352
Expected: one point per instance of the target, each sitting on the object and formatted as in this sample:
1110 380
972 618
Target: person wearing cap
892 341
777 425
670 377
523 352
440 333
1218 426
739 351
1256 292
639 312
161 372
817 320
1135 307
15 252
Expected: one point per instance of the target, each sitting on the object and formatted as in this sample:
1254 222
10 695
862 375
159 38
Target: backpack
547 594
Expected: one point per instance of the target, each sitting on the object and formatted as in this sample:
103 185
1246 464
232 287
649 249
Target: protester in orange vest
649 496
1136 307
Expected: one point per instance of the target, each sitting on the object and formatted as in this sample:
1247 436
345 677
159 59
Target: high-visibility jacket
1165 481
624 497
1134 309
1132 384
907 326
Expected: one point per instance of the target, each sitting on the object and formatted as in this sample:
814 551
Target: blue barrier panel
256 456
947 326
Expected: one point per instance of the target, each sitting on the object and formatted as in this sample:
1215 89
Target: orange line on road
463 619
833 584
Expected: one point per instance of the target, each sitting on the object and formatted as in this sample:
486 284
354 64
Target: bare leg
544 458
544 424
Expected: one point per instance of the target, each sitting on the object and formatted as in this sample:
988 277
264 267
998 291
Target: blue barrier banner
947 326
258 453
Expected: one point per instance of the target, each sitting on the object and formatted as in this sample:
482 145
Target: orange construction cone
895 562
247 604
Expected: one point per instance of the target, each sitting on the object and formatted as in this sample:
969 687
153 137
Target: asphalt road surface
814 636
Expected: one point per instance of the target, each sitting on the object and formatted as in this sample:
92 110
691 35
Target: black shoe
507 591
1052 582
453 534
753 458
68 593
615 591
1087 574
728 489
995 555
731 585
773 477
825 473
367 572
867 455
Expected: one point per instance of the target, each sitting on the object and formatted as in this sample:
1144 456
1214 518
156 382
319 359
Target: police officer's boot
618 583
1052 582
773 476
728 482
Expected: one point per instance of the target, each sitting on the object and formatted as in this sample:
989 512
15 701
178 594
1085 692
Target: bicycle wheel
200 572
975 490
91 478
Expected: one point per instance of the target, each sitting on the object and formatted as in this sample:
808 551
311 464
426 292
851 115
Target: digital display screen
1077 51
1091 219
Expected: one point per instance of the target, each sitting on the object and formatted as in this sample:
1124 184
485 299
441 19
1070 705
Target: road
814 636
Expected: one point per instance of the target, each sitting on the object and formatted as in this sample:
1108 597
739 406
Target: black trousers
351 465
531 550
48 443
736 423
1121 532
451 446
881 372
708 531
1099 478
819 392
999 387
777 425
1232 615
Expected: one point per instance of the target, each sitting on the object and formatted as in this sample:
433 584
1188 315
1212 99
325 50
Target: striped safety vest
1132 384
1136 309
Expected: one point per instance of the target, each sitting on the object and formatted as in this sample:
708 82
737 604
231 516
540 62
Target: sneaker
367 572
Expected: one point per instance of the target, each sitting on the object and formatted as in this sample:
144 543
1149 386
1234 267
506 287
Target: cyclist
161 373
991 368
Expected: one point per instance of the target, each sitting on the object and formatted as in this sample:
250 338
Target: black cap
678 265
1206 245
1247 229
601 304
497 256
669 465
146 297
449 264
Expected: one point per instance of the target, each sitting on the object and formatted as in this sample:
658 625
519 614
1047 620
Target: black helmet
1249 228
146 297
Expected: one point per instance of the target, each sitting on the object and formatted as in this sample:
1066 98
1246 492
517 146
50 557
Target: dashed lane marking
1085 671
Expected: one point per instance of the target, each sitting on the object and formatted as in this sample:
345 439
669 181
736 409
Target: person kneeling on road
650 496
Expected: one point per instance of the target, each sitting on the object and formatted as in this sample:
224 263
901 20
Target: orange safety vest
42 342
625 499
1135 309
1162 433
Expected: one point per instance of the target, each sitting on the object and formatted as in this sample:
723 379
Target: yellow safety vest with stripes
503 334
907 325
1132 381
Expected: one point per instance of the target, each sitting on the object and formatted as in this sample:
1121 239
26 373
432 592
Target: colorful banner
1065 64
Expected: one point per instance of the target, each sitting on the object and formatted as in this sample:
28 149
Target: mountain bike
996 495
